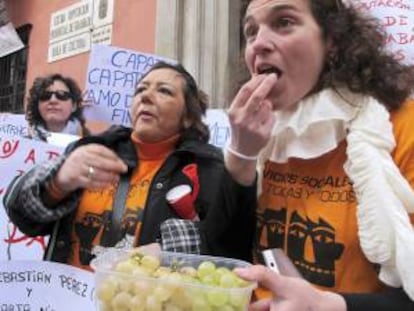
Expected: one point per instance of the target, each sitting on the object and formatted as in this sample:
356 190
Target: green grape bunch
171 282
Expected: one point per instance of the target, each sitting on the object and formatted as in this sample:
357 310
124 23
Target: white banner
9 40
13 125
45 286
397 18
18 155
110 82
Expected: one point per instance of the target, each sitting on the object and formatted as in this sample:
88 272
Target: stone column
203 35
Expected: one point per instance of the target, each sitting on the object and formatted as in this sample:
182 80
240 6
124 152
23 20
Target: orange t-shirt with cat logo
95 209
308 208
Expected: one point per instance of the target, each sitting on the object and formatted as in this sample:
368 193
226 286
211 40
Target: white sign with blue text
45 286
110 82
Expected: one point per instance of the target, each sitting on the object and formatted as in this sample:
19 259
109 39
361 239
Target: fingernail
274 74
240 271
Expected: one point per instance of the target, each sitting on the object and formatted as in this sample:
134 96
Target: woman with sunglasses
54 105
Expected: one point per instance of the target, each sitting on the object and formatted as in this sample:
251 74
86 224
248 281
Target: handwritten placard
45 286
18 155
219 126
110 82
397 18
13 125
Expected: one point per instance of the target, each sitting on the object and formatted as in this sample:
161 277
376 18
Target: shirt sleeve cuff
180 235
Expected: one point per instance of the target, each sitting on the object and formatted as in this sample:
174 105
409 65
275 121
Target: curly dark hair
359 59
39 86
196 102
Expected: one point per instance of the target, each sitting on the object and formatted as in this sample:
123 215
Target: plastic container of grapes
183 283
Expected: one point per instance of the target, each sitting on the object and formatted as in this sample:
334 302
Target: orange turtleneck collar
154 151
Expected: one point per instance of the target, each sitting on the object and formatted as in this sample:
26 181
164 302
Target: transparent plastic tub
127 282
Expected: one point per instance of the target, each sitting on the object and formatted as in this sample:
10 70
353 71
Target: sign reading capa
112 76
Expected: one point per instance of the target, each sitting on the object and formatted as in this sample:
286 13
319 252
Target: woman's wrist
331 301
242 171
53 193
240 155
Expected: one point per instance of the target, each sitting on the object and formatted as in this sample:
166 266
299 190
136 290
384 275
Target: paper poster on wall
18 155
45 286
9 40
397 18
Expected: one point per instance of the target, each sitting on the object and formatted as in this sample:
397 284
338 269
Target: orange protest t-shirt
95 209
308 208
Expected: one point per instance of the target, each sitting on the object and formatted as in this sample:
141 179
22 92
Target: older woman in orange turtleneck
113 189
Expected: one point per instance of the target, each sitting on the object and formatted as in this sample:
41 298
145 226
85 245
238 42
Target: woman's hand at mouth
251 121
251 115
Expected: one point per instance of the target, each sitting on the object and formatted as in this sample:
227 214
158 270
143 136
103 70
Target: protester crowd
319 165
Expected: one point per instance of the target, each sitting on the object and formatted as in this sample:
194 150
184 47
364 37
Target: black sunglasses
61 95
